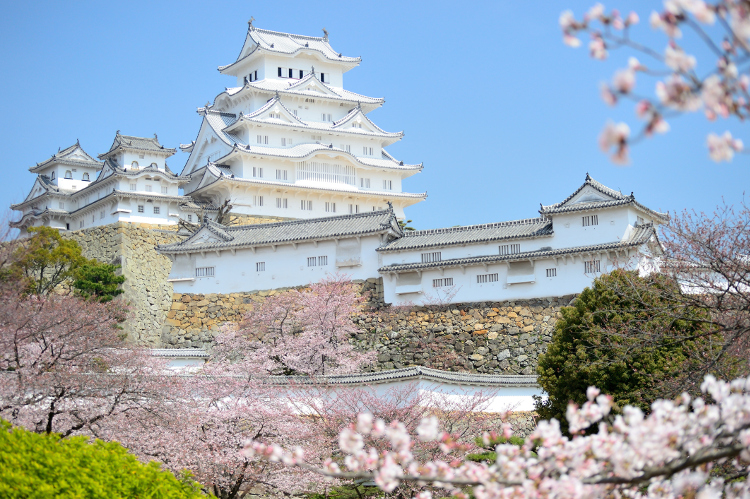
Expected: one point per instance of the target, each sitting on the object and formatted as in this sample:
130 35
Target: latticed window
260 266
445 281
327 172
552 272
434 256
205 271
510 249
592 266
590 220
483 278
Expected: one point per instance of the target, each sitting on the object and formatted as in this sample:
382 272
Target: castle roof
73 156
213 236
593 195
470 234
309 86
276 42
129 142
641 235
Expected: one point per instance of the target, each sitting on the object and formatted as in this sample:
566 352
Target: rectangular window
281 175
590 220
80 224
330 207
306 205
301 74
327 117
445 281
148 188
317 137
262 139
429 257
164 190
312 261
295 112
140 208
639 221
353 208
291 73
367 151
282 203
364 183
156 210
323 77
322 260
133 187
257 172
592 266
482 278
61 205
260 266
279 74
205 271
285 141
346 147
327 172
101 214
274 115
388 185
552 272
258 200
190 218
510 249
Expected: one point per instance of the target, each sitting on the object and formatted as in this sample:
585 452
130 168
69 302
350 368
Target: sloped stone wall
146 289
493 338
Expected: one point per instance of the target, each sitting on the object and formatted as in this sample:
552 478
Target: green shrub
626 336
40 466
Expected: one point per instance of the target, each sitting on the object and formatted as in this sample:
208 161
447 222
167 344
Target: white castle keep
290 142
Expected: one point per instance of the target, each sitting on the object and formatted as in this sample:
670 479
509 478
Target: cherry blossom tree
299 332
65 365
669 453
679 88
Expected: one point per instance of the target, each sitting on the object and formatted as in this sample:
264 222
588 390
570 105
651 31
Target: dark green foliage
98 280
626 336
41 466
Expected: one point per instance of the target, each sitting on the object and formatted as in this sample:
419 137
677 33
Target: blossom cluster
668 453
721 94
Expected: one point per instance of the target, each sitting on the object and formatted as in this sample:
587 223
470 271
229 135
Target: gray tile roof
618 199
415 373
641 235
288 232
217 172
528 228
287 43
136 143
179 352
73 155
299 88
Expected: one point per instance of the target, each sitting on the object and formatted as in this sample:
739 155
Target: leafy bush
98 280
623 336
34 465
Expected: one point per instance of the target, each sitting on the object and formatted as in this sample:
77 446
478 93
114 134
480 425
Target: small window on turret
68 174
153 165
86 176
52 176
134 164
323 77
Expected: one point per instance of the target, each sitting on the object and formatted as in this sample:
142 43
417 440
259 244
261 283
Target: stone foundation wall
194 319
146 288
492 338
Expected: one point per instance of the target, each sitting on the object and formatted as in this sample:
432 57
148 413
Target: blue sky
503 115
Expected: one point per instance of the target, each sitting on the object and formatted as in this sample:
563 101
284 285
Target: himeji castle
288 140
290 146
131 182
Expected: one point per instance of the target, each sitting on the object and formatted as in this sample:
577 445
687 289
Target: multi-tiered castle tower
290 141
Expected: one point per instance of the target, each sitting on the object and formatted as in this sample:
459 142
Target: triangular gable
76 153
357 119
273 106
38 189
209 232
311 83
202 145
592 192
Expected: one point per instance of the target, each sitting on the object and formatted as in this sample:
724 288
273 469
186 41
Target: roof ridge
446 230
291 35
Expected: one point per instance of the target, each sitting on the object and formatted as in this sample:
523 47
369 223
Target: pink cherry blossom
722 148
